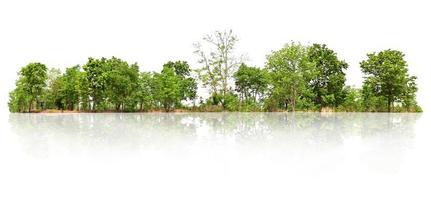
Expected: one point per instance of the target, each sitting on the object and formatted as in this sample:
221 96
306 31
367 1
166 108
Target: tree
145 91
251 82
84 91
70 87
18 99
409 96
32 80
219 62
51 95
386 75
370 101
352 101
290 73
121 83
328 84
95 69
167 88
174 84
188 85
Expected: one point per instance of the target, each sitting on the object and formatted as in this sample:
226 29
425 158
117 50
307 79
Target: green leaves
174 84
295 77
251 82
328 82
290 71
387 78
30 86
218 60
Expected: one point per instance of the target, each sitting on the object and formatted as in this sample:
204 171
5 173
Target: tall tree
328 84
84 91
251 82
290 73
188 85
70 87
174 84
218 60
52 96
18 99
95 69
167 88
145 93
33 81
386 75
121 83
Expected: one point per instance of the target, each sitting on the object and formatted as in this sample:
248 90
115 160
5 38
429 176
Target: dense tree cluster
295 77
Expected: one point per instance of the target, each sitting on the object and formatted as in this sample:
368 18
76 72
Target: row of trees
296 77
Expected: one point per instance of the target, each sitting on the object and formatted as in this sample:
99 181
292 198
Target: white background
64 33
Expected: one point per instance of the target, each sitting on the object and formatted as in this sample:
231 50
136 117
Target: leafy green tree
386 76
174 84
32 81
352 101
188 84
167 88
218 60
18 99
409 96
84 91
251 82
328 84
291 71
70 87
144 95
95 69
51 95
121 83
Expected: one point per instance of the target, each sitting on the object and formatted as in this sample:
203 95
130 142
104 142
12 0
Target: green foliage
251 83
173 85
167 88
230 102
121 84
70 87
52 96
218 60
352 101
145 93
95 70
328 84
18 99
290 71
387 80
84 91
29 88
296 77
188 85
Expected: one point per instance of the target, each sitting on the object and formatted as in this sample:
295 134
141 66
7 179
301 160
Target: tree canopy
328 83
387 80
296 77
290 73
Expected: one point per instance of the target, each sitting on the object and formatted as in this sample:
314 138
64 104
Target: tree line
295 77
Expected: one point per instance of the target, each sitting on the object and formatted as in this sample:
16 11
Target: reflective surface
248 151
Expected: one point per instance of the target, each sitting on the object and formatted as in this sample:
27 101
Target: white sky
64 33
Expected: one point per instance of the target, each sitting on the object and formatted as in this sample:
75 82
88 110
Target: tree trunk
294 101
389 104
29 106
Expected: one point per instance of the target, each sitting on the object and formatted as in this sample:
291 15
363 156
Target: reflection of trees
384 135
102 132
313 128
